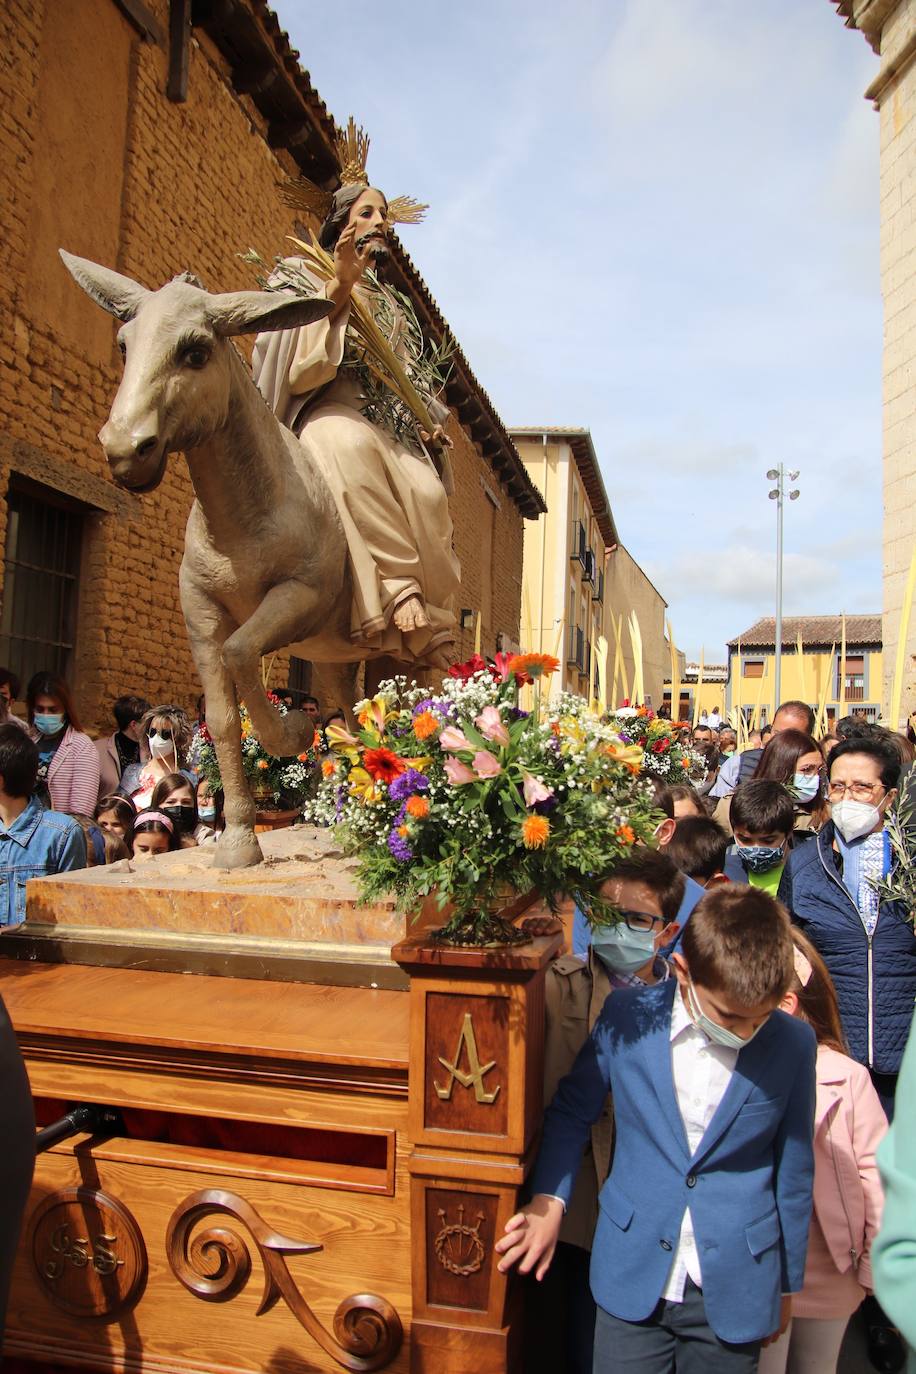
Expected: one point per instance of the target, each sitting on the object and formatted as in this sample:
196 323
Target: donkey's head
174 393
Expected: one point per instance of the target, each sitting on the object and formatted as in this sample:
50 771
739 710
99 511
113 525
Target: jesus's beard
378 248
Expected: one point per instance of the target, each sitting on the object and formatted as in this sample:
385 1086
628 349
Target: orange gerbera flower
418 807
535 831
626 834
536 665
262 763
425 724
328 767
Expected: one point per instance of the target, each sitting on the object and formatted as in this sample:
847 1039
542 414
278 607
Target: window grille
41 582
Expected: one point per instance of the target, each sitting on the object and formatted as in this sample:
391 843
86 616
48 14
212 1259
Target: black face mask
183 817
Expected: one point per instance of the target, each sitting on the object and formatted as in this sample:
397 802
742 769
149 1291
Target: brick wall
94 158
898 284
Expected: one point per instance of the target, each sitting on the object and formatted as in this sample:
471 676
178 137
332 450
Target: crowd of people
721 1065
721 1070
68 801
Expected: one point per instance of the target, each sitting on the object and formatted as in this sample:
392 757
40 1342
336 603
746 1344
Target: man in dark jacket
870 950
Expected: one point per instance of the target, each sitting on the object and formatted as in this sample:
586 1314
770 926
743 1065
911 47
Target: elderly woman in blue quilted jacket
869 948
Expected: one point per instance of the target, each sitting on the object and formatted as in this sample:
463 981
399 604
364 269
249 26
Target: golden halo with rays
300 193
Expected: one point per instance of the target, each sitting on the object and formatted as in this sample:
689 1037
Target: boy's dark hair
885 755
129 708
762 808
8 676
739 941
663 799
18 761
656 871
698 847
667 794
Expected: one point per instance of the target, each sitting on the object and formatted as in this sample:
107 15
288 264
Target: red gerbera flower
383 765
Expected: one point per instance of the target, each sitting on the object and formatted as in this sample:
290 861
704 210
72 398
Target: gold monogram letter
476 1070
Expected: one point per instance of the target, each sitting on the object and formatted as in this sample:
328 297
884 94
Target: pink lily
485 765
501 664
535 791
452 739
458 772
490 724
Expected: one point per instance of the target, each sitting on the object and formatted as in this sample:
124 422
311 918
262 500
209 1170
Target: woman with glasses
868 946
165 734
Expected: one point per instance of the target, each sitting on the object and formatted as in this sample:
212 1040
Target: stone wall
94 158
898 285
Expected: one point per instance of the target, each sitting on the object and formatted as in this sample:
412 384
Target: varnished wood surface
418 951
296 1021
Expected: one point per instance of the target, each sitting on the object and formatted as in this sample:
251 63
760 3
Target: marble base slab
293 918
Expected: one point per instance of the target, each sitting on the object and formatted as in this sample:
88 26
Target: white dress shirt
702 1071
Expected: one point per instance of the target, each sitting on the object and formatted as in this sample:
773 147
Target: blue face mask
719 1035
804 787
623 950
49 724
760 858
206 814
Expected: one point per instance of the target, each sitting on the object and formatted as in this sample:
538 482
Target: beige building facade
580 584
890 28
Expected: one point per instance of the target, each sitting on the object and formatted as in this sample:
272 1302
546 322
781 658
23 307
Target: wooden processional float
317 1122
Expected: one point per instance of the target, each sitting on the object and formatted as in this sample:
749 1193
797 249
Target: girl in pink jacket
849 1122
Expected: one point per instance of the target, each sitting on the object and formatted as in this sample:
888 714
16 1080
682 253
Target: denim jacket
38 842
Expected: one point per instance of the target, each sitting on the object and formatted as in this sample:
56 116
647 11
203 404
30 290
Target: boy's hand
531 1236
785 1316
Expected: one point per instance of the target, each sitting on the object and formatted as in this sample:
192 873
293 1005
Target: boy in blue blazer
703 1223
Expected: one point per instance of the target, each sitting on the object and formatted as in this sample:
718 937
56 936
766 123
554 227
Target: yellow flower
372 715
630 755
535 832
363 785
342 742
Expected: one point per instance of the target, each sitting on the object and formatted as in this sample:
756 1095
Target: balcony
575 648
598 589
578 547
590 567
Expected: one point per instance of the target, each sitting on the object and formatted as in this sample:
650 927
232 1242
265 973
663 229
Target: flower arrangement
273 782
464 795
666 752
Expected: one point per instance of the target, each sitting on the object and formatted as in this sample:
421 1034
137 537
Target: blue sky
659 219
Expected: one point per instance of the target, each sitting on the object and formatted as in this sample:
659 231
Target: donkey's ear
120 296
252 312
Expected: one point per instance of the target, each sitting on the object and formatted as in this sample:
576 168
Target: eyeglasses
640 920
859 791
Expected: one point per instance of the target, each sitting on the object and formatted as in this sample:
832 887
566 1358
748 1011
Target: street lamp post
778 494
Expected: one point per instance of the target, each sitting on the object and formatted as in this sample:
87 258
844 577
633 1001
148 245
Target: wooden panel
467 1060
212 1016
460 1233
364 1238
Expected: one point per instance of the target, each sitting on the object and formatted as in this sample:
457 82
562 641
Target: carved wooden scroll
215 1264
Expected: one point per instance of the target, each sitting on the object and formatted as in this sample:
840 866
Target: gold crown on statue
352 154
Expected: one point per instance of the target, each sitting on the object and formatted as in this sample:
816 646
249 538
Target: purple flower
410 781
399 847
516 713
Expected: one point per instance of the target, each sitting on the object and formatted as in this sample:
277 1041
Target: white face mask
854 819
159 746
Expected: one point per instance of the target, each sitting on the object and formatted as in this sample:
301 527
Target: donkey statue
265 556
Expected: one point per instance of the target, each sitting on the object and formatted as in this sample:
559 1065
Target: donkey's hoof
237 849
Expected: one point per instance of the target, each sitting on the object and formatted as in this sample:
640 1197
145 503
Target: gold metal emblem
476 1071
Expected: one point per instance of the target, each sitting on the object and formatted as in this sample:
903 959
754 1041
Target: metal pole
777 684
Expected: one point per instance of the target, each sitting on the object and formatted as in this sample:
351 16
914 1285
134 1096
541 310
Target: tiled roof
265 67
814 629
580 441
